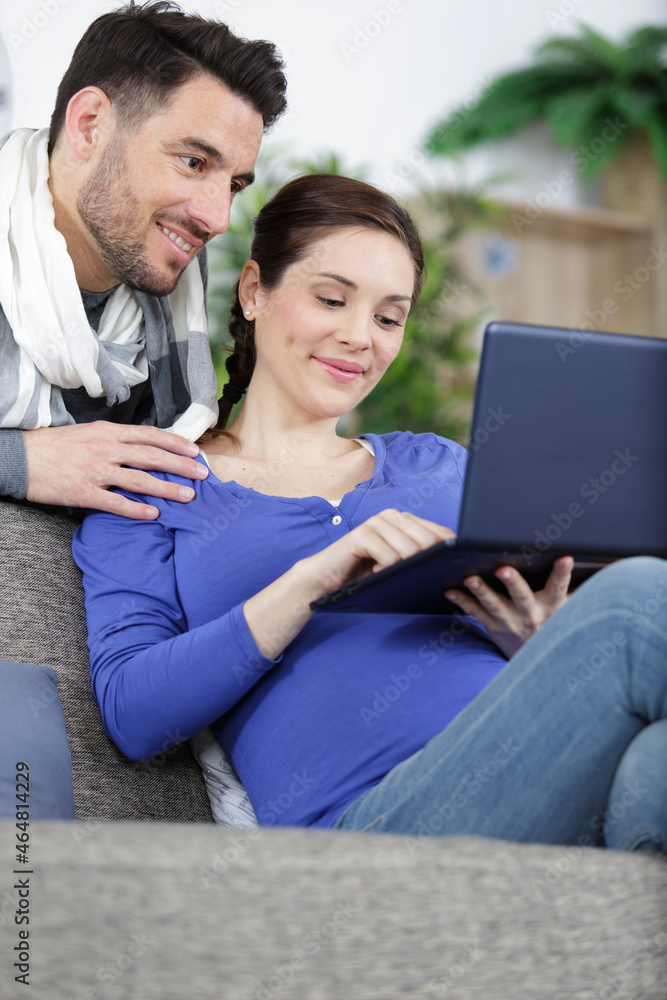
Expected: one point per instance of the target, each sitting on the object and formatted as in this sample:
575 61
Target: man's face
158 194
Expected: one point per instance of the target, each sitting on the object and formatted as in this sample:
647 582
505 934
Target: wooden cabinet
584 268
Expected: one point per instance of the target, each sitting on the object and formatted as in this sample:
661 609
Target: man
103 341
157 125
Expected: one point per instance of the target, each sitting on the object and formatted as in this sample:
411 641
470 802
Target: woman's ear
249 288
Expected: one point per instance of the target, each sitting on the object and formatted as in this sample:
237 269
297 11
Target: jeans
568 743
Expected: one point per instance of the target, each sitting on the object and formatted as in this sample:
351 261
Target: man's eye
193 162
237 187
330 303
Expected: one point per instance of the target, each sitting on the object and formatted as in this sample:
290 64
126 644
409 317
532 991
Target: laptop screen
568 446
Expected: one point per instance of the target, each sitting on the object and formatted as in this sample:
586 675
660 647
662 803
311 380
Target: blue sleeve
156 682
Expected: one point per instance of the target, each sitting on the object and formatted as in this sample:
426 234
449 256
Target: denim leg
534 756
636 814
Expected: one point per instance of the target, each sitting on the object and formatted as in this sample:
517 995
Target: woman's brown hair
301 213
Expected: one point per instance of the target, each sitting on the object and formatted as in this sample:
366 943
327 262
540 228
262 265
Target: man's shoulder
5 136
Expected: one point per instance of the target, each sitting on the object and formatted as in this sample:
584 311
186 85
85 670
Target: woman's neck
265 429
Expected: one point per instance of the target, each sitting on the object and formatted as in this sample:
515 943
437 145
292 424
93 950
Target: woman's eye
330 303
386 321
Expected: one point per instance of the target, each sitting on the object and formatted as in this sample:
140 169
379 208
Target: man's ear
249 288
89 118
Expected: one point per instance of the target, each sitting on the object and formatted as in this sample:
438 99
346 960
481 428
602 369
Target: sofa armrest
175 911
42 620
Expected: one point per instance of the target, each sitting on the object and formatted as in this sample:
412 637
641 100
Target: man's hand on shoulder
76 465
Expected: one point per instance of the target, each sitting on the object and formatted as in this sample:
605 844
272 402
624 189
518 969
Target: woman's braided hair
301 213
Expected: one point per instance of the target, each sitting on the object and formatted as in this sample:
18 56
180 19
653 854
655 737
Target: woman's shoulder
419 454
408 443
172 512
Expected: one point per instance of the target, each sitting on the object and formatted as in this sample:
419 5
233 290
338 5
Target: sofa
143 896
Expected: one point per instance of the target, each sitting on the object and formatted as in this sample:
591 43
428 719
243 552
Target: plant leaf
636 104
511 102
647 45
570 114
593 157
590 48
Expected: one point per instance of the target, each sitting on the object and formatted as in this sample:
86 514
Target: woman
399 723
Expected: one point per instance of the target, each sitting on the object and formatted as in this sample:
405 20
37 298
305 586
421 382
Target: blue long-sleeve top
350 697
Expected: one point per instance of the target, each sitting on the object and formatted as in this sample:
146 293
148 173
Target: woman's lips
342 371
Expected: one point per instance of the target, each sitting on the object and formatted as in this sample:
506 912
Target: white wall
371 99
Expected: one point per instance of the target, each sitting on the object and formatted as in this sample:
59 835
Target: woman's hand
377 543
510 621
277 614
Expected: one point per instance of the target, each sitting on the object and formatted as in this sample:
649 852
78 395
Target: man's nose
212 209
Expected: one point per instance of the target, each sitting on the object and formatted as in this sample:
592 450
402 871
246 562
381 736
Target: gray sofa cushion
42 621
169 911
36 775
172 912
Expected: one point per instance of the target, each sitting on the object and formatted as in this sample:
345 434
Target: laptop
568 456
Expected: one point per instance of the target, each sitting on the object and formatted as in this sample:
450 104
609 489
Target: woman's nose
355 332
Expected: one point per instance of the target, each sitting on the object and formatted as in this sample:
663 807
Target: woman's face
328 332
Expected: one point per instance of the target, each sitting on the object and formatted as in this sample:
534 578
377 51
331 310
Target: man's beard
109 211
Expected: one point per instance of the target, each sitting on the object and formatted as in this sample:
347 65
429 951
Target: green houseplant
581 86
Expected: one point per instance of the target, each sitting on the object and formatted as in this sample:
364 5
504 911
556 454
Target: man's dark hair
139 54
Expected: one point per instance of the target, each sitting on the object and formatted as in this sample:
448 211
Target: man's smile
179 242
